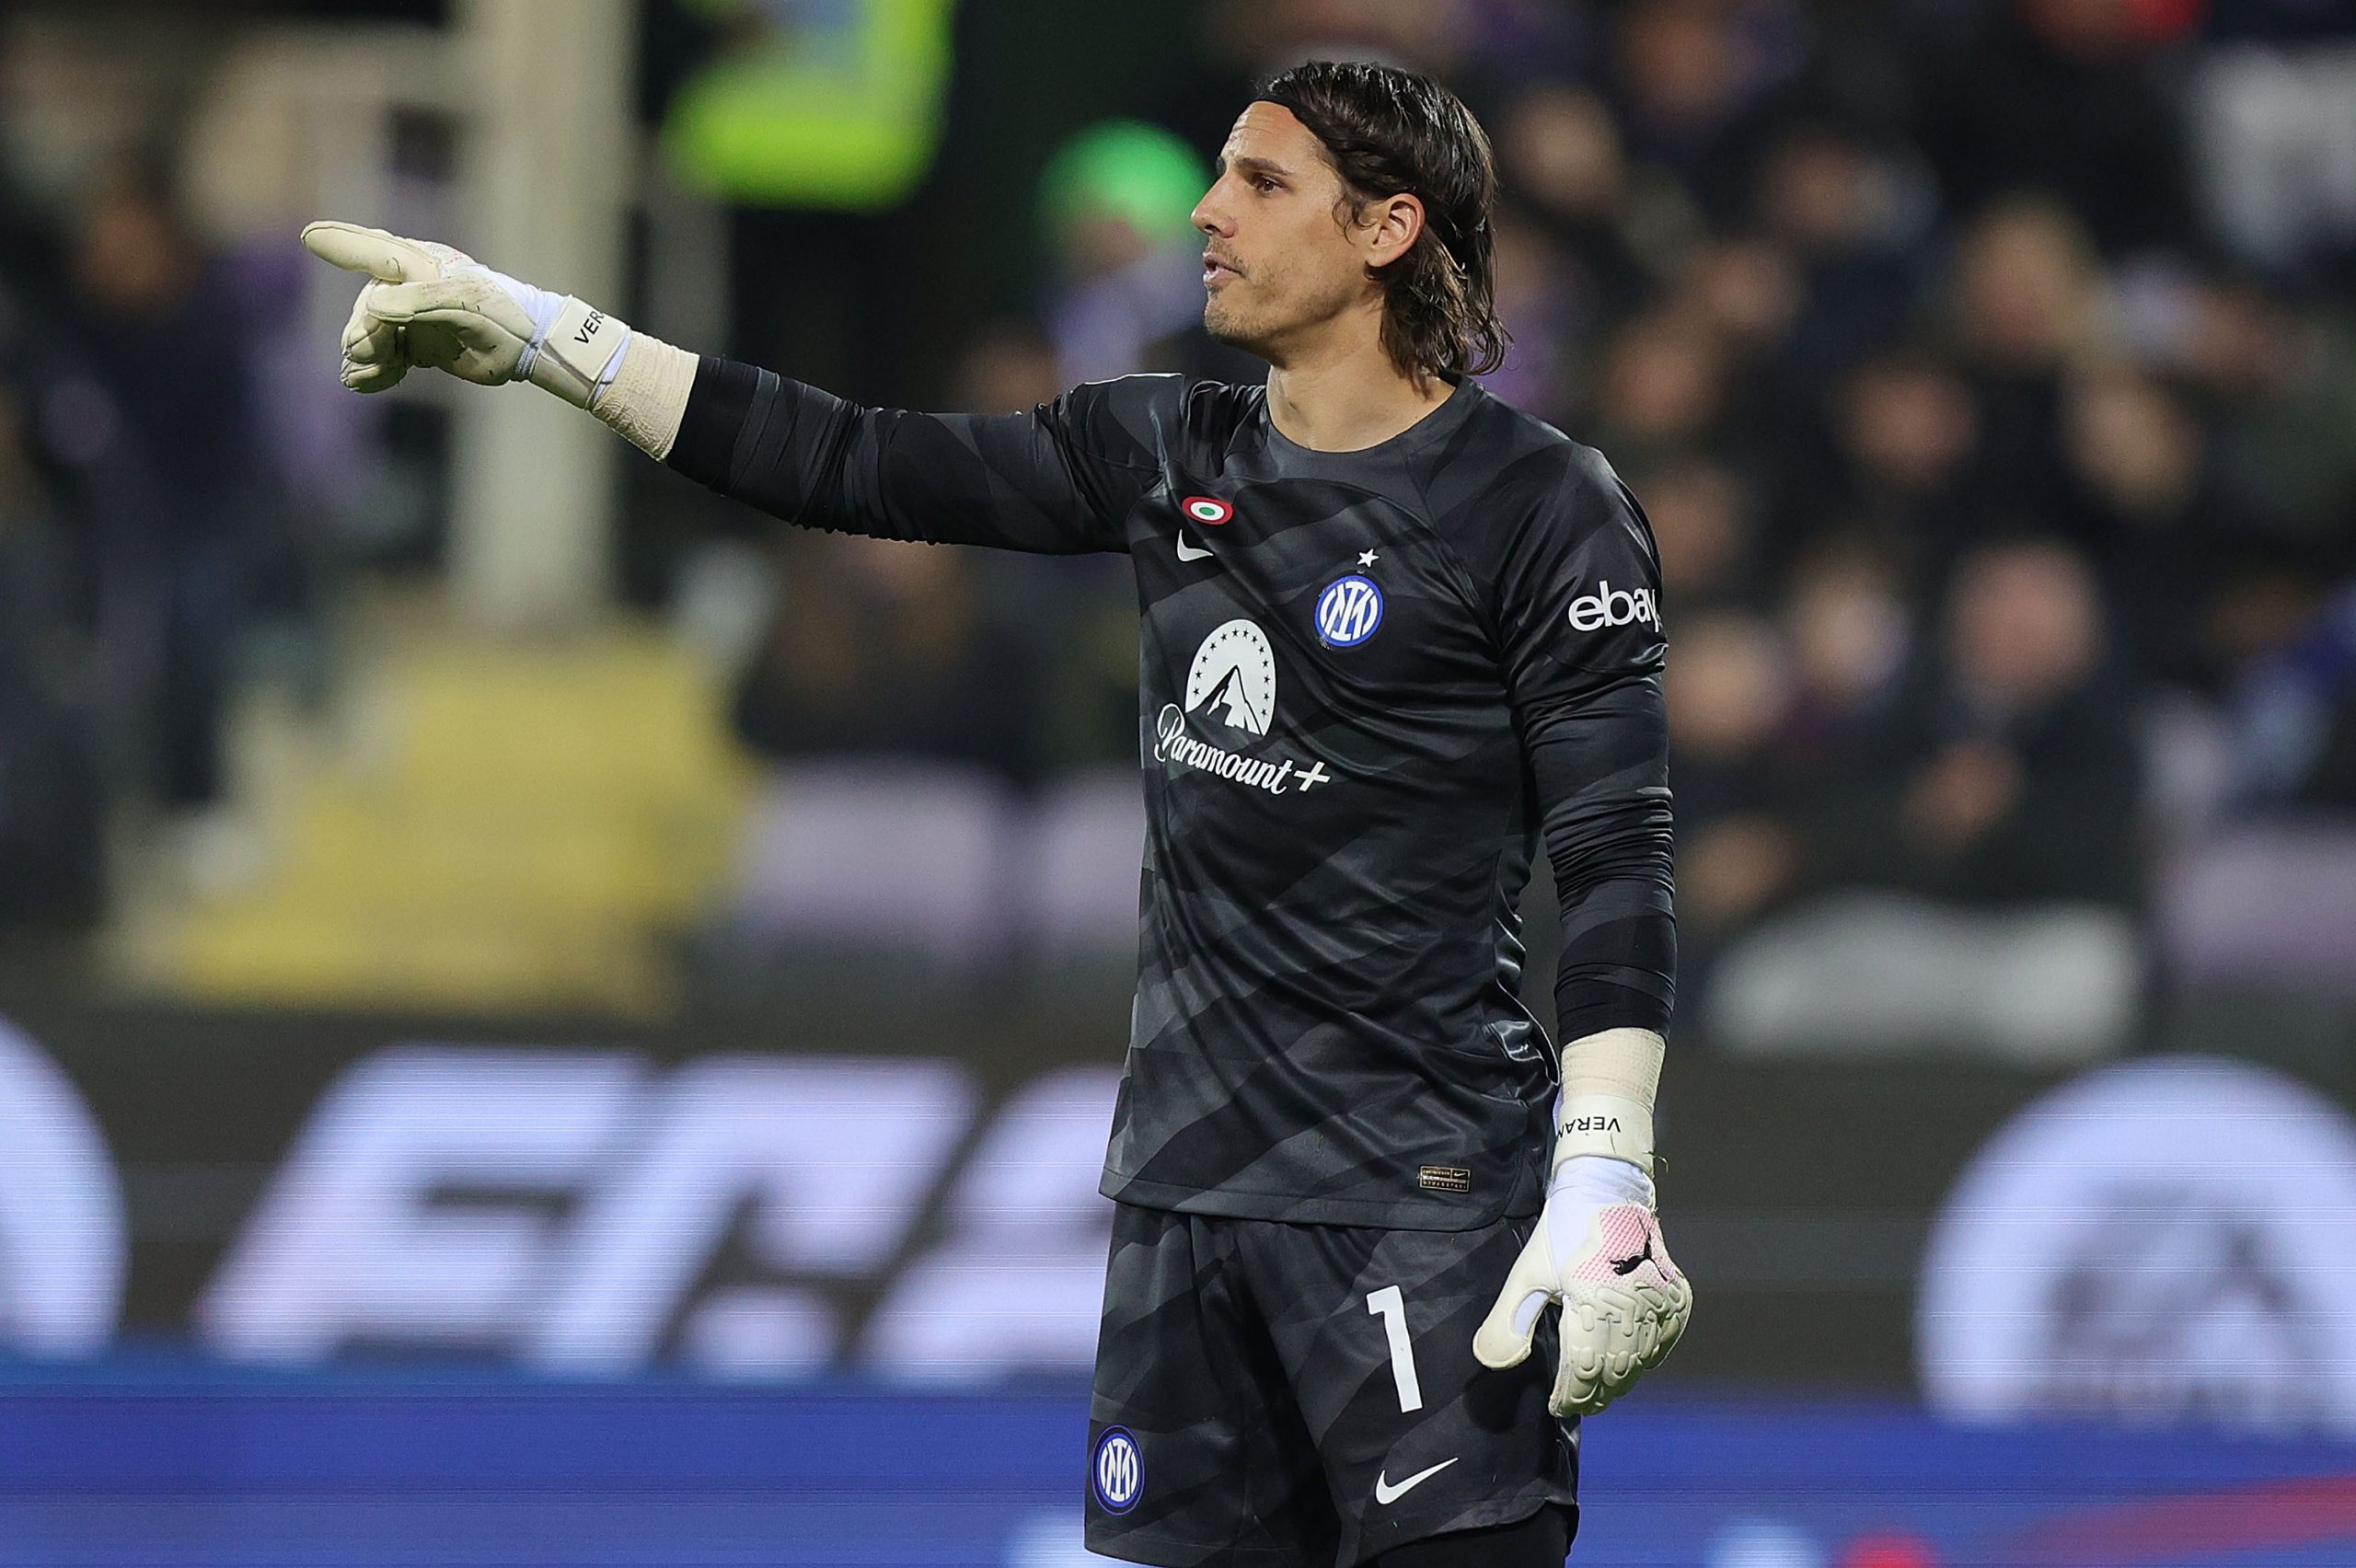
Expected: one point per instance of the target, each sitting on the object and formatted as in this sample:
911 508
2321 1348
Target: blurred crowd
1988 371
146 533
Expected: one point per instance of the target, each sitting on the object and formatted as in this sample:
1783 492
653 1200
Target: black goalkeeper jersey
1372 683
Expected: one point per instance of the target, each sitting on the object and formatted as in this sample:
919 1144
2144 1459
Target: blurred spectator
1747 289
53 800
2152 514
1662 388
1689 78
2027 302
1854 226
149 302
2028 775
1743 295
1560 157
2029 289
1702 519
2007 829
1847 620
2065 98
2282 388
884 649
1905 431
1727 689
1777 732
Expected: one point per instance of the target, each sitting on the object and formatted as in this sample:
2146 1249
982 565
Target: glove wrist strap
572 359
1609 1081
647 399
1615 1126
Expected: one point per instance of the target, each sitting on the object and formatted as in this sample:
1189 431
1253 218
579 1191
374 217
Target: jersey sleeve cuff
1592 1006
718 408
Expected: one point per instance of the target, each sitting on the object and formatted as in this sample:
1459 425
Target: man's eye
1264 183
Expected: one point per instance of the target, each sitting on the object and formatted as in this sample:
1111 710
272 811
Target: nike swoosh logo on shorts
1386 1493
1191 552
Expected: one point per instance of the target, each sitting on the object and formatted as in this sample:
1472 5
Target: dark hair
1388 133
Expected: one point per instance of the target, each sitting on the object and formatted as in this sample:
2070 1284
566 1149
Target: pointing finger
385 256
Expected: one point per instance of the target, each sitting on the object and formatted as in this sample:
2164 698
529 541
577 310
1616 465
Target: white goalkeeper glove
1597 1248
427 304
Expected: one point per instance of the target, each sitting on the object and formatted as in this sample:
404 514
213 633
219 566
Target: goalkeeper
1398 638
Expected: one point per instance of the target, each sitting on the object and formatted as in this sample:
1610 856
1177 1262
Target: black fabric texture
1373 685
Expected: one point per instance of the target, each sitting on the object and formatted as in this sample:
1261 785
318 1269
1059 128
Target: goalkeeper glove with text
1596 1246
426 304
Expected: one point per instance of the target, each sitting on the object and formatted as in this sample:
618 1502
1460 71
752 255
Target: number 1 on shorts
1391 1306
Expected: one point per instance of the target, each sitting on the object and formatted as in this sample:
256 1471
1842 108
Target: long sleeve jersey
1372 683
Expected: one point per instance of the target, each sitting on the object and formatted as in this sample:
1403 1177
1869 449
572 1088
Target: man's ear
1391 225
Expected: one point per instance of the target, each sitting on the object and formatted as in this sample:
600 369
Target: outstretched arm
1058 479
1578 619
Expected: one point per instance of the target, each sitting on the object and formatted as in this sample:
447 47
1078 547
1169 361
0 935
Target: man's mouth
1215 269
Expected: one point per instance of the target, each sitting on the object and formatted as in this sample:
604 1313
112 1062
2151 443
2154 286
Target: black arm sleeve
1057 481
1579 614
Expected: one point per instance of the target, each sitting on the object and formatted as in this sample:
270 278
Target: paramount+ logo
1609 607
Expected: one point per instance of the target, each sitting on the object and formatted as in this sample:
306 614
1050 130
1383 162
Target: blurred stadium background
546 1023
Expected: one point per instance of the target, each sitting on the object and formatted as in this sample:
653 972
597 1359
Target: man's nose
1206 215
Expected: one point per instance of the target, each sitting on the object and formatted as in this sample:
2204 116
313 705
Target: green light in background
815 103
1143 174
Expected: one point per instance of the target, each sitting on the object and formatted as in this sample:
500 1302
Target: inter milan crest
1348 611
1118 1472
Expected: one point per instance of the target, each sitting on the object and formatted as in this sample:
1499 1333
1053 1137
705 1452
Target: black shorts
1306 1394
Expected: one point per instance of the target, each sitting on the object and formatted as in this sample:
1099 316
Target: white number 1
1390 1305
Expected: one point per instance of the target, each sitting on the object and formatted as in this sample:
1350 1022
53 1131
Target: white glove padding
1598 1249
428 304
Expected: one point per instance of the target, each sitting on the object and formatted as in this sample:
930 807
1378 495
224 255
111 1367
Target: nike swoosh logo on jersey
1386 1493
1191 552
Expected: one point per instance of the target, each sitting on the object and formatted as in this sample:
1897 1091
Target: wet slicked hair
1390 133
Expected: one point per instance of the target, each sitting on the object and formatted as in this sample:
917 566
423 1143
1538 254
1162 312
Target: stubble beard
1219 321
1271 333
1262 333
